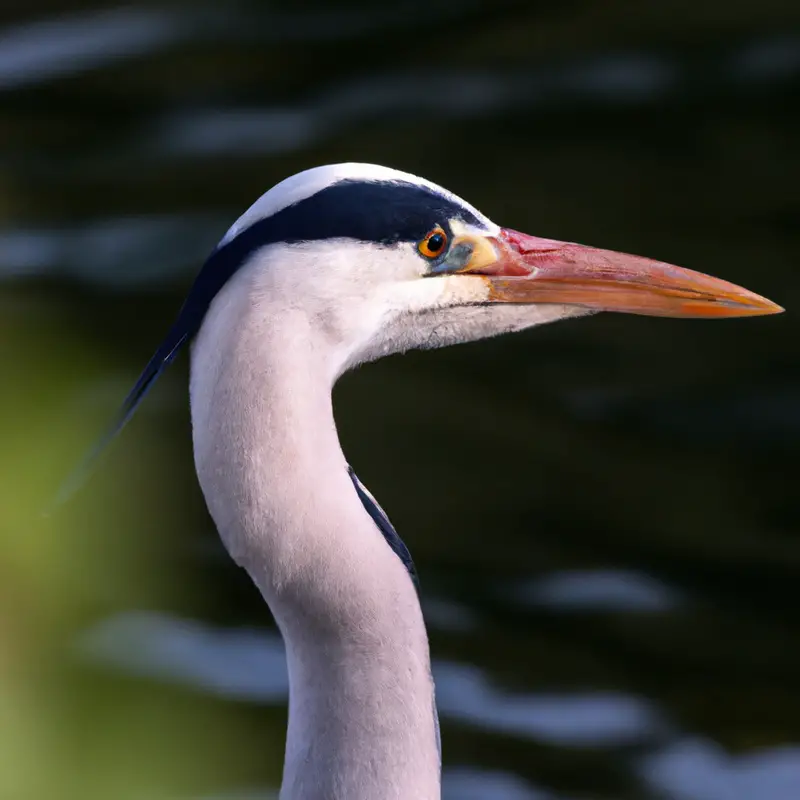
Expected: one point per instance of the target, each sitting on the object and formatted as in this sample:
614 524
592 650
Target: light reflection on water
54 48
122 252
597 591
599 719
696 769
249 664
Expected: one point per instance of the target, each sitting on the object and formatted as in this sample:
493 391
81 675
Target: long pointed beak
527 269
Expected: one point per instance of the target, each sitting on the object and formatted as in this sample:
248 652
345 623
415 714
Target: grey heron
336 266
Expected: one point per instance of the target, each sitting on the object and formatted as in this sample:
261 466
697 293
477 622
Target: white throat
361 715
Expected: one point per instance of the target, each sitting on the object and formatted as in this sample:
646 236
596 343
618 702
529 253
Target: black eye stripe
383 213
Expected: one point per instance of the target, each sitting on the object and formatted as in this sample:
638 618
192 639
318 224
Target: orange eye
433 244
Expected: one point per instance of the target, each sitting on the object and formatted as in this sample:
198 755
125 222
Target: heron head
377 261
387 261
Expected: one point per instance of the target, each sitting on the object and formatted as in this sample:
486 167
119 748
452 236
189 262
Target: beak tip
761 307
774 308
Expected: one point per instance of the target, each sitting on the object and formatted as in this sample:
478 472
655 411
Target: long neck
361 708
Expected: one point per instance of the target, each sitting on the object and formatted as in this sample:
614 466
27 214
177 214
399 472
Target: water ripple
37 52
251 664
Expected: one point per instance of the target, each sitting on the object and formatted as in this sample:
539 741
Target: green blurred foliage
68 730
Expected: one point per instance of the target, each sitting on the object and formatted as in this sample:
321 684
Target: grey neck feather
276 483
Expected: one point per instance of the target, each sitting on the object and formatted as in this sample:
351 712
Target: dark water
603 512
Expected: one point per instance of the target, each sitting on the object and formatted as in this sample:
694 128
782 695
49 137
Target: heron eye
433 244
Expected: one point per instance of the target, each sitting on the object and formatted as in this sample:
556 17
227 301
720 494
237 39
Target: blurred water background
604 512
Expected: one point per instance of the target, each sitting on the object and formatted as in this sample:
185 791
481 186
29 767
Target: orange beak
526 269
